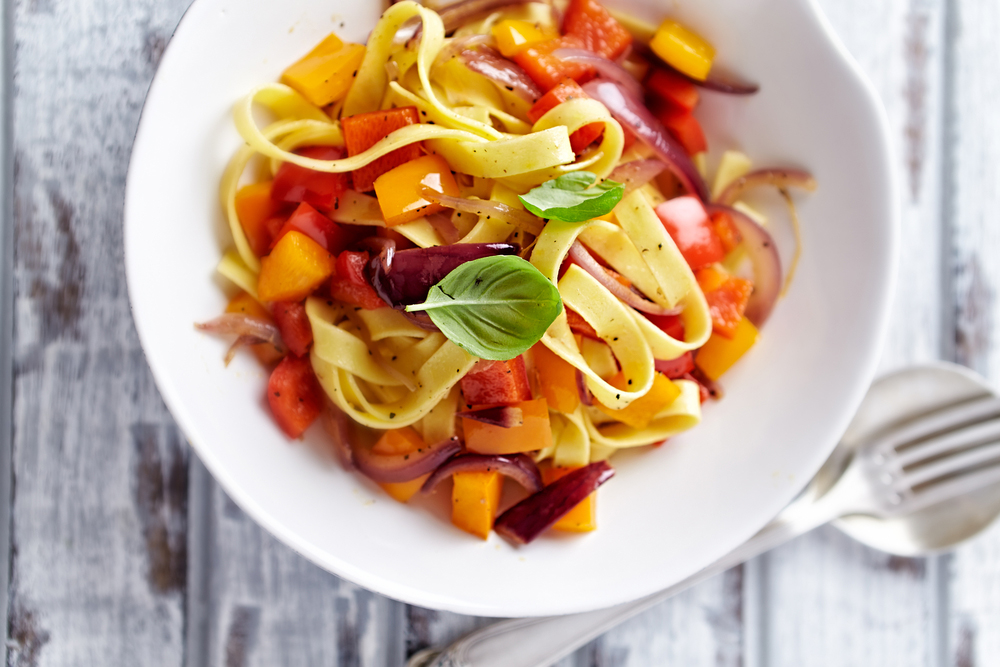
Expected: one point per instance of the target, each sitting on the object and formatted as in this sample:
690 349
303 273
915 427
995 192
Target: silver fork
912 466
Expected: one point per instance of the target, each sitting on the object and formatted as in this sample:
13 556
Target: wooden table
123 551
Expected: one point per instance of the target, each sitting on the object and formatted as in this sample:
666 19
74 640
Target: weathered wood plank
830 601
100 483
973 143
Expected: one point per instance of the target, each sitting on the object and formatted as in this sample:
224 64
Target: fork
934 458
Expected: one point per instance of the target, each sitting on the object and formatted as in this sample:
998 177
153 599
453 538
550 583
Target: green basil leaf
494 307
570 198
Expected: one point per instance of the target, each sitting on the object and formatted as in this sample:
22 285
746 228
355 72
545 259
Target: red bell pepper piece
673 88
364 130
294 394
676 368
728 233
727 303
568 89
672 325
688 225
293 183
496 383
349 284
578 325
548 71
596 28
293 323
316 226
686 129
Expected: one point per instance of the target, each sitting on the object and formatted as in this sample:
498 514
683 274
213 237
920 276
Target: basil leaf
494 307
570 198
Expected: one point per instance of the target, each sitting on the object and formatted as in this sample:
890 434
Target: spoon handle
539 642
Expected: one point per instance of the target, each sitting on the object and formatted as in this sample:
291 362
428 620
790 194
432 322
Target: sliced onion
607 69
633 114
581 388
526 520
518 467
403 278
587 262
636 173
491 209
763 254
410 30
504 416
421 319
675 368
337 426
506 73
459 44
244 326
242 341
443 225
354 208
456 15
779 178
394 468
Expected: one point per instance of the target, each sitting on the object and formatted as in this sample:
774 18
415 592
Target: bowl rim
882 297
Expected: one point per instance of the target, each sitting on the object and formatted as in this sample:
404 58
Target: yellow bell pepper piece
514 36
644 409
399 190
326 73
295 267
720 353
583 517
557 379
475 497
403 491
683 49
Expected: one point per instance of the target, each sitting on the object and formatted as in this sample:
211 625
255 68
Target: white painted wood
100 484
829 601
974 145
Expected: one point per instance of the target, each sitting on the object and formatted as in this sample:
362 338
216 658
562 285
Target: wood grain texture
99 509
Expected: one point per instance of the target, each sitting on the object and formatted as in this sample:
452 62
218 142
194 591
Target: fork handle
539 642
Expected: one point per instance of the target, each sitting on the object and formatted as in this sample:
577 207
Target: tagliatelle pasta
478 158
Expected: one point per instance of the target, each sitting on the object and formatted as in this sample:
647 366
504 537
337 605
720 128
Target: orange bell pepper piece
475 497
326 73
295 267
726 229
514 36
545 69
683 49
534 433
557 379
399 191
600 32
568 89
266 353
583 517
644 409
364 130
403 491
727 298
400 441
254 207
719 353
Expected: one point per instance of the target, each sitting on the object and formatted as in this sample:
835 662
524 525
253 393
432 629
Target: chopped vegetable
676 368
583 517
254 208
399 191
535 433
496 383
687 223
363 131
726 229
548 71
295 267
350 285
686 129
673 89
600 33
297 184
401 455
573 197
294 395
495 307
568 89
683 49
720 353
403 491
475 498
514 36
325 74
328 234
556 378
243 303
293 323
727 298
640 412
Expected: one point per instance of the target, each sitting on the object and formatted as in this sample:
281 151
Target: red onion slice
443 225
581 389
403 278
675 368
337 426
763 255
456 15
607 69
238 324
633 114
526 520
636 173
506 73
459 44
504 416
491 209
779 178
518 467
395 468
587 262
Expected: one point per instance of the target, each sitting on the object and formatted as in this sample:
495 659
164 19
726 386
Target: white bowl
669 511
